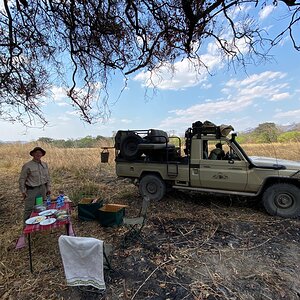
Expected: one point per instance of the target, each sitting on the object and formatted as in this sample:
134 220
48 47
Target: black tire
282 200
129 147
153 187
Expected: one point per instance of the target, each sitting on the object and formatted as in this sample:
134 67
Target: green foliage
45 140
242 138
266 133
291 136
86 142
177 141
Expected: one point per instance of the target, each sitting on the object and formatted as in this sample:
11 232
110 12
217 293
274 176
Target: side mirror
230 158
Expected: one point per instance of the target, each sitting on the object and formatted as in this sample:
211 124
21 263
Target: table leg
68 228
30 255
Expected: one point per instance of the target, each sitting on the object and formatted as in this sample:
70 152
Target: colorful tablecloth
37 227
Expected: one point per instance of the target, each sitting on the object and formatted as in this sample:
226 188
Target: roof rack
203 128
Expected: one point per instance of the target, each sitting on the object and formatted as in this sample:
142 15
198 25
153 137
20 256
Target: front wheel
153 187
282 200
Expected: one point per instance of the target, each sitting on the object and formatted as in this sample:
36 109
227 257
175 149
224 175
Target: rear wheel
153 187
282 200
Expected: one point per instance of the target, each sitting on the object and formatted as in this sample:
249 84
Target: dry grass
233 251
82 165
12 156
289 151
67 165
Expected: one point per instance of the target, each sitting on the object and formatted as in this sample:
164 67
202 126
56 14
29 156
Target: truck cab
226 172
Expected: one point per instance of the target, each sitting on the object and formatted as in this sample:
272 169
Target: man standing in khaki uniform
34 180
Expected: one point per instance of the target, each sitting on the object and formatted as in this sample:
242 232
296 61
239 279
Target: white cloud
267 85
62 104
266 11
58 93
238 11
206 86
295 114
11 5
279 97
63 118
182 74
72 113
239 95
126 121
193 72
264 77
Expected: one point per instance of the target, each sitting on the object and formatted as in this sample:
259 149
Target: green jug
39 200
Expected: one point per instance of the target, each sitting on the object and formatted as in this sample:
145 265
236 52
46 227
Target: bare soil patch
195 247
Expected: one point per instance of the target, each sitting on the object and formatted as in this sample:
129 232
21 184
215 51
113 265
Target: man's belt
28 187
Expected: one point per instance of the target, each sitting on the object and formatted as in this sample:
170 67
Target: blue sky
267 92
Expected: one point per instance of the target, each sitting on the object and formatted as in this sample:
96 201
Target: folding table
37 227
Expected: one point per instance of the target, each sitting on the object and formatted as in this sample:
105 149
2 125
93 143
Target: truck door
225 170
195 158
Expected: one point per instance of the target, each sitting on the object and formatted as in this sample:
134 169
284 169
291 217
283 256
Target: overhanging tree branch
101 37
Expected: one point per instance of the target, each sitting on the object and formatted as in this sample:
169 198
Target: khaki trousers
32 193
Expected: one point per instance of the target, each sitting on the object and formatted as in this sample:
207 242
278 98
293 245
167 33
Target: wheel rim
284 200
152 188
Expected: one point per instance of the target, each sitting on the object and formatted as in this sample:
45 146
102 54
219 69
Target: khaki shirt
217 153
34 174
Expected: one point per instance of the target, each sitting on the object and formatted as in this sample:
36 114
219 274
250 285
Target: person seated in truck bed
217 153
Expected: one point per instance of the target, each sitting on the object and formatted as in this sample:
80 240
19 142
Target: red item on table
37 227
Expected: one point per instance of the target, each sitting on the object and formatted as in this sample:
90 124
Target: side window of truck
231 155
215 150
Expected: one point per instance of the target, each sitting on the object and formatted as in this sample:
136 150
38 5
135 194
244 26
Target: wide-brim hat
37 149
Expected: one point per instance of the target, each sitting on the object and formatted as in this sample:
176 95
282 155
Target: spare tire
129 147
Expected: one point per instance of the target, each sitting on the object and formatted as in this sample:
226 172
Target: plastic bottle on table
62 198
48 201
58 202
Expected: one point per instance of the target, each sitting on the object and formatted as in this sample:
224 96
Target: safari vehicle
157 163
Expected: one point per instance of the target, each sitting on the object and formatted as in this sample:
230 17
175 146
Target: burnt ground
194 247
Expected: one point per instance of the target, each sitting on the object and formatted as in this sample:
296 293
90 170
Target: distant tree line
264 133
269 133
86 142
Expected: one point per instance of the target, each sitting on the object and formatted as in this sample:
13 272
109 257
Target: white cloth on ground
83 260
